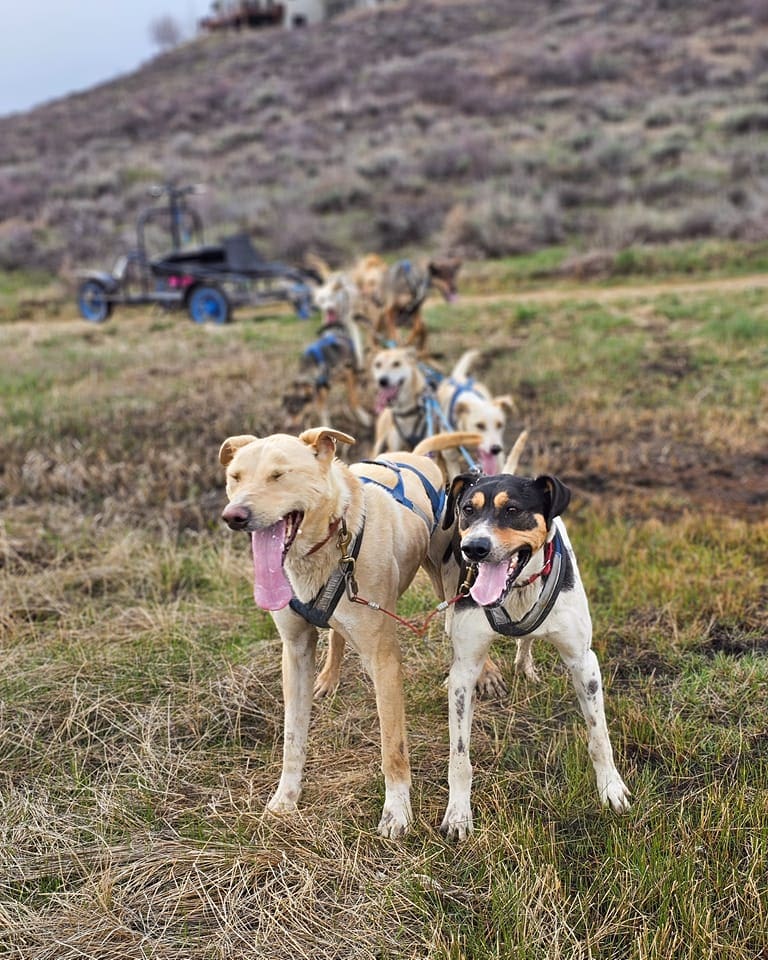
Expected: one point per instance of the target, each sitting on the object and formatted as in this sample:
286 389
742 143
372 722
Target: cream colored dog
319 527
469 406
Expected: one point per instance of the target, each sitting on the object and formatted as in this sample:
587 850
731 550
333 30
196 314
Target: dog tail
315 263
510 465
447 441
460 372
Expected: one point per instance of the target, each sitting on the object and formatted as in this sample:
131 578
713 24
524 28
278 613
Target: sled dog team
335 545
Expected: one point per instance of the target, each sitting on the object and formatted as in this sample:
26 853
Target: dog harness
467 387
436 497
327 352
319 611
418 286
553 574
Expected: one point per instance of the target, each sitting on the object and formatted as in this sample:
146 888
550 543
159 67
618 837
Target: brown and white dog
468 405
313 522
404 288
510 543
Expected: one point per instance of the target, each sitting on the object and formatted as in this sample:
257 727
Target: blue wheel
208 304
92 301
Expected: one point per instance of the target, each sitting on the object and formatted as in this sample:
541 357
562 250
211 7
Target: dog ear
457 487
555 492
231 445
506 403
324 440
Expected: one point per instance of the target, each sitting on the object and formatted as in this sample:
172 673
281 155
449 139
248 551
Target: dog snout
478 548
236 516
384 381
496 449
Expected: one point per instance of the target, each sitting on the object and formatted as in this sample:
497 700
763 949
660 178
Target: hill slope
487 128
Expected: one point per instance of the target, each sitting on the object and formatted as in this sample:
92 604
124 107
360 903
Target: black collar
553 578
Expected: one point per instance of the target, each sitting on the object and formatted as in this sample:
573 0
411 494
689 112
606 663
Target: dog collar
331 530
319 611
553 575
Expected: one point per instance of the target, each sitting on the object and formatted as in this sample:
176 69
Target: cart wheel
206 303
92 301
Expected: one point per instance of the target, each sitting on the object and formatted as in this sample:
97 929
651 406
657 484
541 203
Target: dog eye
510 510
480 426
467 509
276 474
234 477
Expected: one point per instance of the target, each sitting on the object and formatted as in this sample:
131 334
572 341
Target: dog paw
490 684
326 683
457 823
615 793
282 803
528 670
394 822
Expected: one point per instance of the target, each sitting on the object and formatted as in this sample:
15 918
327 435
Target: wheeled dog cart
208 281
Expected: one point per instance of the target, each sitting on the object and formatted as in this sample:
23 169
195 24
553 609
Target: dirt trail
591 291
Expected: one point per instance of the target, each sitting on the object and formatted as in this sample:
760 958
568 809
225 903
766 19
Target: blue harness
436 497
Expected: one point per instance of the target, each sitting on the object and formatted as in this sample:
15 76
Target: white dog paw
615 793
394 822
283 802
457 823
526 667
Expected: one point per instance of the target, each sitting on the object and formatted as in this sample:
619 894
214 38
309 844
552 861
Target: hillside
488 129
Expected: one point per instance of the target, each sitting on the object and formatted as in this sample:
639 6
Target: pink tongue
489 463
384 396
271 589
489 583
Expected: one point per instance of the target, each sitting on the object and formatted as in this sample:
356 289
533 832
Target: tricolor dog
511 552
331 544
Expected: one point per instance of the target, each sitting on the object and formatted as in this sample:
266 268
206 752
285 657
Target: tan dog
404 289
468 405
323 534
368 276
402 393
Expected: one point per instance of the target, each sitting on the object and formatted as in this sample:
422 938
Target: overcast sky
49 48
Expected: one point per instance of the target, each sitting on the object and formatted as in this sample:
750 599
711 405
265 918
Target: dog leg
353 396
584 669
386 672
328 678
468 660
299 643
524 661
321 406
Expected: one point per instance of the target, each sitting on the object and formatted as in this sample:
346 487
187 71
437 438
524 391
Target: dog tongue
384 396
271 589
489 463
489 583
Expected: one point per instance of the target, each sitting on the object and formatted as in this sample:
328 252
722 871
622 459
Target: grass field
140 702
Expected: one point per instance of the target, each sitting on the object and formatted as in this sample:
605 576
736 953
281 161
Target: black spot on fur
592 687
460 704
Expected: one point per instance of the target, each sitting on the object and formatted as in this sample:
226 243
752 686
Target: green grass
140 701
